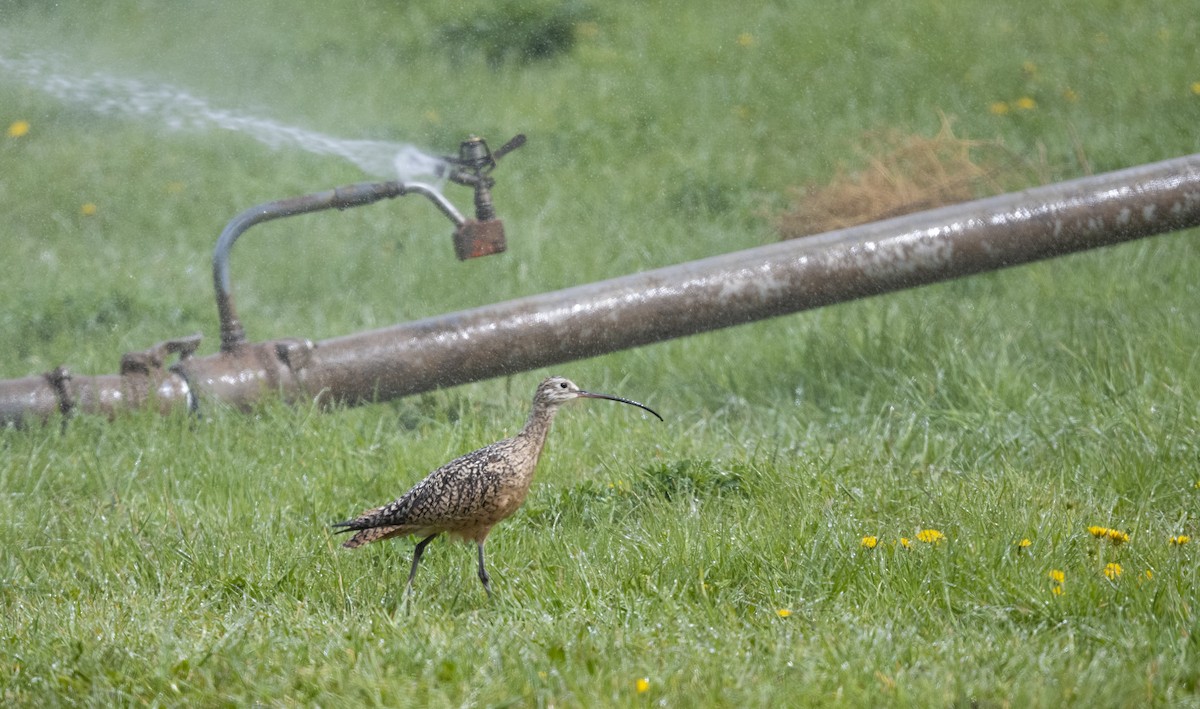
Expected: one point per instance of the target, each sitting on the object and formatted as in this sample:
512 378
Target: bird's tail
374 534
347 526
365 520
371 526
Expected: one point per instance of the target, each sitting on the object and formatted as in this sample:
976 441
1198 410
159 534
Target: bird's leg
417 558
483 575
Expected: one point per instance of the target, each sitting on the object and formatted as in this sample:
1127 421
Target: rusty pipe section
143 381
656 305
233 335
240 379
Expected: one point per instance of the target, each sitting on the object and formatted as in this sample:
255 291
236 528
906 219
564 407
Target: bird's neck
538 425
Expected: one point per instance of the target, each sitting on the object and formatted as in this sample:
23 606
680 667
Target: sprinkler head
483 235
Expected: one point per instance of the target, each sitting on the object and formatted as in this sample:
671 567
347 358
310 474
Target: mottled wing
451 497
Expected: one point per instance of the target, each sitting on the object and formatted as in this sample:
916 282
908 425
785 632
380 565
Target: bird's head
555 391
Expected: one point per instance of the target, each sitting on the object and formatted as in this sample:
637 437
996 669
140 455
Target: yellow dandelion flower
1029 68
930 536
1194 86
1070 95
1024 543
998 108
869 542
1097 531
1025 103
783 612
1180 540
1057 590
905 542
1195 90
1149 574
1117 537
619 486
642 684
1057 576
18 129
1112 571
745 39
88 209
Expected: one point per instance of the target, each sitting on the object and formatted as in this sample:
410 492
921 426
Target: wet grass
719 557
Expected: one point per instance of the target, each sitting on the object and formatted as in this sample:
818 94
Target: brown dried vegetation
908 173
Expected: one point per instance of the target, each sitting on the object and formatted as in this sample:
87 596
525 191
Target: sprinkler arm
481 236
232 333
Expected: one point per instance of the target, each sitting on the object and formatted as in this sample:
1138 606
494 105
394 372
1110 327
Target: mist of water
178 110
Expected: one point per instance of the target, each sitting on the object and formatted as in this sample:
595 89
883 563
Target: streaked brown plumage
469 495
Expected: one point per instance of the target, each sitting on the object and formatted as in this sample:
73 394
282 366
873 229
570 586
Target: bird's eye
562 385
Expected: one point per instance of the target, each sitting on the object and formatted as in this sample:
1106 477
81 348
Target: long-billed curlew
469 495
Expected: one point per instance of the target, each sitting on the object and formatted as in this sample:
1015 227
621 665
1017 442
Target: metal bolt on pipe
675 301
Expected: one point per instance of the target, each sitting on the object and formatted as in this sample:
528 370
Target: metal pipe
758 283
693 297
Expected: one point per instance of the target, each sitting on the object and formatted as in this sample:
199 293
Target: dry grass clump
907 173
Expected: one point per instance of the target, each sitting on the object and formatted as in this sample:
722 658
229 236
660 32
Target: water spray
176 109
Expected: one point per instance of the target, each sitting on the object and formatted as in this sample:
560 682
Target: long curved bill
590 395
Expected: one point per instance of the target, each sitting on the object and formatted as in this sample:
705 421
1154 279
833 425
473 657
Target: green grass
171 561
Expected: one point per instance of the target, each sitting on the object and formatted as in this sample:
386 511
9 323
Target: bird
466 497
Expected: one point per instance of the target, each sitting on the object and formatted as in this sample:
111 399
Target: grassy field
722 558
